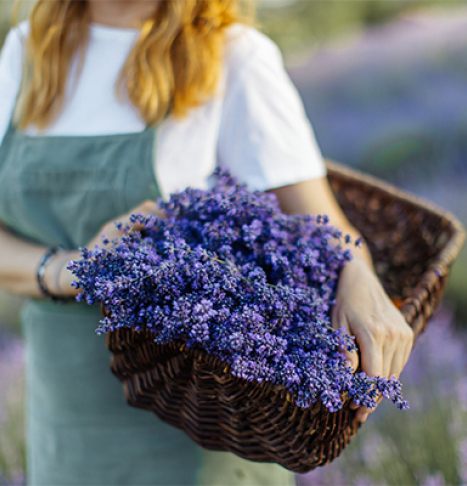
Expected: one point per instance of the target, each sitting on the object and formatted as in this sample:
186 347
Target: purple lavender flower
203 311
434 480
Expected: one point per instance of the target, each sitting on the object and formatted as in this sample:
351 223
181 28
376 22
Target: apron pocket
69 206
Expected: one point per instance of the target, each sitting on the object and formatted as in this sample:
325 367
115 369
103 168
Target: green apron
60 190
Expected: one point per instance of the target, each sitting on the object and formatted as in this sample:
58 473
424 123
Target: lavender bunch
228 272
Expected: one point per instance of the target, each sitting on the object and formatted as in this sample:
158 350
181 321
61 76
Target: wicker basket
413 246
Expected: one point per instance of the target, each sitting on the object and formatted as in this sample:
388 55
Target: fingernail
350 365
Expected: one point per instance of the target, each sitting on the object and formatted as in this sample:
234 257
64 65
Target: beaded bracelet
41 272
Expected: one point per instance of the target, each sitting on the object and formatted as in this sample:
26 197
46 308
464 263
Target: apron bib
80 431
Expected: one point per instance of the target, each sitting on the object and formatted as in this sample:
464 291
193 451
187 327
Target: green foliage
405 449
5 17
456 288
300 24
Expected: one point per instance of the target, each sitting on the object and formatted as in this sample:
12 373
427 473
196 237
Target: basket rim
459 232
277 392
439 268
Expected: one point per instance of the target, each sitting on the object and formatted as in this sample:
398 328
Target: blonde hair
174 66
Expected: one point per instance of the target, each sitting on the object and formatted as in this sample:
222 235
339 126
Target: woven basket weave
413 246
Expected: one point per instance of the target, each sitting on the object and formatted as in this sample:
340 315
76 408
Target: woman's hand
58 278
382 334
362 306
112 232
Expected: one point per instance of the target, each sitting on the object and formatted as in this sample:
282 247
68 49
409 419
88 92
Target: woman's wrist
359 264
362 255
43 273
57 279
65 277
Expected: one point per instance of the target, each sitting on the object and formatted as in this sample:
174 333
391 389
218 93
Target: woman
119 103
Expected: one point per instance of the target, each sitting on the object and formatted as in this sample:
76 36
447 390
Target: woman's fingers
391 359
111 231
371 348
340 322
372 358
363 412
398 353
382 334
385 349
400 359
147 208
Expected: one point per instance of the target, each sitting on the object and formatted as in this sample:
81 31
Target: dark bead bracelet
41 272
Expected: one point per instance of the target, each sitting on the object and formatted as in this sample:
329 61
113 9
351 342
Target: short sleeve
265 138
11 62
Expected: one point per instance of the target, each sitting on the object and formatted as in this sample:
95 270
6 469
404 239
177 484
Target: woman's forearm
19 260
360 252
316 197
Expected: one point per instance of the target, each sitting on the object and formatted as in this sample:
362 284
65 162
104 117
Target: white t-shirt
256 124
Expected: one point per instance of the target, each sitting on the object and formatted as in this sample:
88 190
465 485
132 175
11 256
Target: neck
121 13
